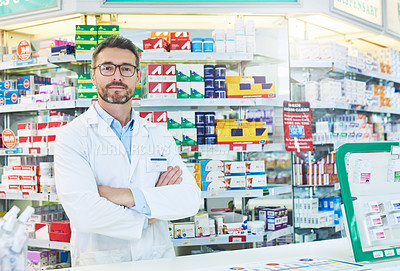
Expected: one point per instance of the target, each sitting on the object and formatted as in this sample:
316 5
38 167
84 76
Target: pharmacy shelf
225 148
62 59
346 106
48 244
41 62
218 240
272 235
24 196
24 151
279 189
189 56
232 193
342 68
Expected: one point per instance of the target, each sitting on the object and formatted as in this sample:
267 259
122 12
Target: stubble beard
119 99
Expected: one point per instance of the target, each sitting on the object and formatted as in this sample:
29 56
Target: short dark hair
117 42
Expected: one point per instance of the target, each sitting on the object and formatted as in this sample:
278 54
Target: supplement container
197 45
208 71
208 45
220 70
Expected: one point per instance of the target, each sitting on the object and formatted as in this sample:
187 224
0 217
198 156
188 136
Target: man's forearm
120 196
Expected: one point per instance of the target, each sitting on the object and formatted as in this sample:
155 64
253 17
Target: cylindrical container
201 130
209 83
197 45
201 139
219 82
208 71
208 45
211 139
220 94
46 169
209 93
210 129
200 118
220 70
209 118
212 226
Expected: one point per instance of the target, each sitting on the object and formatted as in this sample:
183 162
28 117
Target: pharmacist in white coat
118 177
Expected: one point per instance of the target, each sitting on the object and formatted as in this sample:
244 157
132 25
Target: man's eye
127 69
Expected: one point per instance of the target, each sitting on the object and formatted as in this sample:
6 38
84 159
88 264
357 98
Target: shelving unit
48 244
226 239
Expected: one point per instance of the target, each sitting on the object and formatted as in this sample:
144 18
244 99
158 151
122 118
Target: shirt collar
108 118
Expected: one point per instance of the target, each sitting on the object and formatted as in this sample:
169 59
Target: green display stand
358 192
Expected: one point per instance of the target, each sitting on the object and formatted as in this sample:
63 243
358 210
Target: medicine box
256 181
202 225
197 90
184 230
235 182
174 120
182 72
196 72
211 165
183 90
235 167
189 136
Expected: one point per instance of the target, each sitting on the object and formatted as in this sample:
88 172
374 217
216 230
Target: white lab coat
88 154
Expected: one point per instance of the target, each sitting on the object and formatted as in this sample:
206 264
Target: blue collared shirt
125 135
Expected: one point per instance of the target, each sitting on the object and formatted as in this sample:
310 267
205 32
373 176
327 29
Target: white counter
332 249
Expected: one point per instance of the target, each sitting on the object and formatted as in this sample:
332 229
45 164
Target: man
118 177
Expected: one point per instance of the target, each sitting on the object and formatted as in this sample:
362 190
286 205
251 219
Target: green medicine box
84 77
83 29
84 48
108 29
87 95
102 37
86 86
86 38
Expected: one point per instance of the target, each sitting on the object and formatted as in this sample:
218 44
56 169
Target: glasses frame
116 66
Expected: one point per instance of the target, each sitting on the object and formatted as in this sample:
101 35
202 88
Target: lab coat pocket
146 178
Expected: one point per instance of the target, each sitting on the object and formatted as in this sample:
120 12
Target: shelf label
212 240
65 246
186 149
247 194
185 242
44 197
25 195
208 57
389 253
237 148
237 239
378 254
214 193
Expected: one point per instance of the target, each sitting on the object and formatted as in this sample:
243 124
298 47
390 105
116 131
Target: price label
236 240
211 101
237 148
208 57
44 197
247 194
65 246
186 149
170 56
25 195
212 240
337 186
185 242
230 56
33 151
214 194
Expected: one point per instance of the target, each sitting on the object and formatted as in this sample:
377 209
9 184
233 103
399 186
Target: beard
122 97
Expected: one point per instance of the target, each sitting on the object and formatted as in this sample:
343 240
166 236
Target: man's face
115 89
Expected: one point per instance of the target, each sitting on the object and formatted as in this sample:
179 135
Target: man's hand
171 176
120 196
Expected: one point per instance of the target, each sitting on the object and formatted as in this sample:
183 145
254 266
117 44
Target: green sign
204 1
11 7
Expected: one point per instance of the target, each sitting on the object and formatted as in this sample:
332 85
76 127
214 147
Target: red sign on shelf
24 50
8 138
297 126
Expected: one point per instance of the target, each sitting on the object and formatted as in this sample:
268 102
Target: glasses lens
107 69
127 70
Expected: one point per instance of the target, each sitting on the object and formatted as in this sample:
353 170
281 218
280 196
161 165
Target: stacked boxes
41 259
61 50
60 231
194 169
20 179
179 41
85 38
249 87
184 230
310 215
197 90
183 81
212 175
161 81
46 47
86 89
255 175
241 39
276 217
88 36
261 115
214 81
205 128
235 175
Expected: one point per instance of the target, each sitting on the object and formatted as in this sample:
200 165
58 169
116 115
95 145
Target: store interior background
277 36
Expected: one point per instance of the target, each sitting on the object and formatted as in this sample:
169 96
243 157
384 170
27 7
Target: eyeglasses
125 70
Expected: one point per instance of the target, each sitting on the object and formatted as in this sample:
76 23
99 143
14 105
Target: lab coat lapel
139 144
105 131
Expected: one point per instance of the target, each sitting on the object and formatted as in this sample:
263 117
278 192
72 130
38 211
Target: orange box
161 35
179 36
